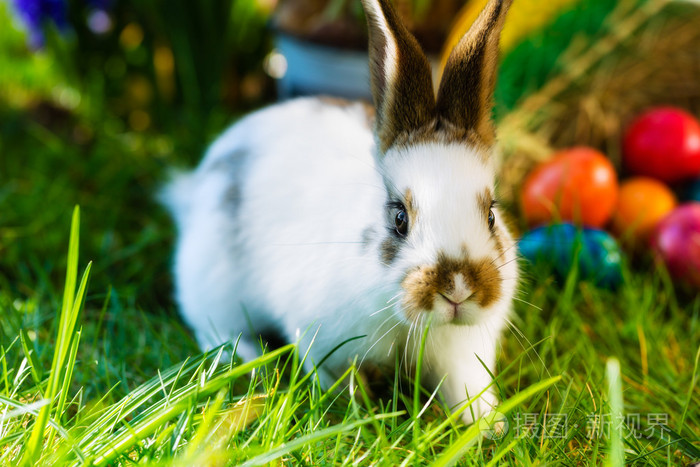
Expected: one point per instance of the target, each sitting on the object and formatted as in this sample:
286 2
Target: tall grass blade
30 353
67 319
616 457
691 388
73 349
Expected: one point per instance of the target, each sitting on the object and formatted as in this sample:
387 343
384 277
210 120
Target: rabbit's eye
492 218
401 222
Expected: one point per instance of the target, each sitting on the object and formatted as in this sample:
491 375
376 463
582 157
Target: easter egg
641 203
676 240
663 143
560 246
577 185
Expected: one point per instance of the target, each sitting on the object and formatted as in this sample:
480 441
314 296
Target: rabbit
328 221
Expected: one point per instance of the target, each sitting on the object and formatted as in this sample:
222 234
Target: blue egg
559 246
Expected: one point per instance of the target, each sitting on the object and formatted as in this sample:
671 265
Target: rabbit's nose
460 290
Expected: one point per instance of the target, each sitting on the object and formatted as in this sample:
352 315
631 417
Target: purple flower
99 20
36 14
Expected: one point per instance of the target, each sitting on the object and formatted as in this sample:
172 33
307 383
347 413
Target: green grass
129 385
96 367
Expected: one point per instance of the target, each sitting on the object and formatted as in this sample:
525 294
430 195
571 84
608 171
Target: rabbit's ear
466 91
401 79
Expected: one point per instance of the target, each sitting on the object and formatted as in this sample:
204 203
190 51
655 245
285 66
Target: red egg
663 143
677 241
577 184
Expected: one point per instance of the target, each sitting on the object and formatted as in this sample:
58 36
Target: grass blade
311 438
104 448
67 319
30 353
616 457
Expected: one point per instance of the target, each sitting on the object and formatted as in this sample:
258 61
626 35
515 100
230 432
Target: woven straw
652 58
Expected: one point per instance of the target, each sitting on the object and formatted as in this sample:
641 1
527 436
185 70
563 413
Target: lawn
97 368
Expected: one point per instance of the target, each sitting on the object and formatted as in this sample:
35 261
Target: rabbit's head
444 233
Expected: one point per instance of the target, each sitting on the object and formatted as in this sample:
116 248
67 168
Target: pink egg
677 241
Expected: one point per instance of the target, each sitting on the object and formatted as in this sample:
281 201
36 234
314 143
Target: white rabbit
303 221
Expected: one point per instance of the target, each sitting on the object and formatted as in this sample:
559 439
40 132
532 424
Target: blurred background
99 97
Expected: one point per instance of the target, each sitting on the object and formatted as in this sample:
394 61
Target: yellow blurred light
524 17
131 36
163 60
164 66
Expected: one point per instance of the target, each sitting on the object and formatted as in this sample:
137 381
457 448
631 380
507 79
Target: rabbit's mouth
455 309
446 311
464 312
456 290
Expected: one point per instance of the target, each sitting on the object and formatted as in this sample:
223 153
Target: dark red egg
663 143
676 240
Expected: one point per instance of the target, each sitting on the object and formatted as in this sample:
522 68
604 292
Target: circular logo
494 426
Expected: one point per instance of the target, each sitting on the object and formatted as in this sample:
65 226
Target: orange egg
641 204
577 184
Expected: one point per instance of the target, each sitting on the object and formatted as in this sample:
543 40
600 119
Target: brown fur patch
405 103
498 241
465 94
389 249
424 284
421 290
411 208
484 199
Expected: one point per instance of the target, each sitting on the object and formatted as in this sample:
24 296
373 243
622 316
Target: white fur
289 256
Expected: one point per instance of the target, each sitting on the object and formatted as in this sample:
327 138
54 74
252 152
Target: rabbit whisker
377 342
507 262
504 252
382 309
527 303
395 296
404 357
520 335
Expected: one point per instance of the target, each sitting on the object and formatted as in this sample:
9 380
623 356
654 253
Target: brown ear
401 79
466 91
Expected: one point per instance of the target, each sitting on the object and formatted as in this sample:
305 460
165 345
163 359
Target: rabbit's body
304 222
270 193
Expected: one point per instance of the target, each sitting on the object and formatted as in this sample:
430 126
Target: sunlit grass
564 399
